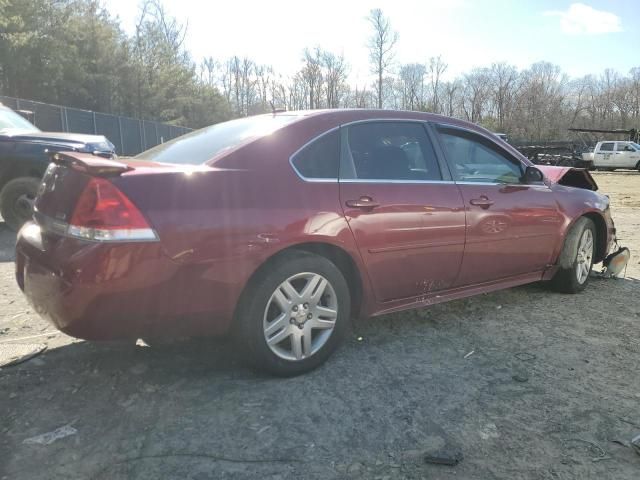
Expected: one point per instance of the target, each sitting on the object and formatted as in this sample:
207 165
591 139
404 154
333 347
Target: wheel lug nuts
295 308
292 320
306 305
309 316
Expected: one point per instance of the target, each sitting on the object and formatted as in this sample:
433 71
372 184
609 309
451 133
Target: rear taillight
104 213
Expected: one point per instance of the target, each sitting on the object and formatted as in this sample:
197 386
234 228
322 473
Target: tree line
75 53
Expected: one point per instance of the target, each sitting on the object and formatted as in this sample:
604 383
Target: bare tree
451 93
503 79
476 93
381 44
437 67
311 74
335 76
411 86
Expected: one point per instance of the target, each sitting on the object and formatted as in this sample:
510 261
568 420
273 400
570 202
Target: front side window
606 147
625 147
475 159
389 151
319 159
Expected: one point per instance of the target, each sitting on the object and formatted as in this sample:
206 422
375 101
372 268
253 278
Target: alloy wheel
585 256
300 316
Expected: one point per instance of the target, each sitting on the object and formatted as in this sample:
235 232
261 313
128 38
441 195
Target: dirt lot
400 387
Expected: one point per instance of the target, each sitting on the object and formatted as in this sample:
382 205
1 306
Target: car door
603 157
512 228
406 215
625 155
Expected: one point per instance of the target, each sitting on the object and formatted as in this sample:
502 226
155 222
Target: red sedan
280 228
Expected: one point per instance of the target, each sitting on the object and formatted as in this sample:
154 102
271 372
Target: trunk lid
69 173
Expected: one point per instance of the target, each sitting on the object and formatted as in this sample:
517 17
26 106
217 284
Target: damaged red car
280 228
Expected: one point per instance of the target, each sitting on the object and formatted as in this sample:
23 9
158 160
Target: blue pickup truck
24 157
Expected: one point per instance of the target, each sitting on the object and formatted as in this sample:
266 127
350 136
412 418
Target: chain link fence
130 135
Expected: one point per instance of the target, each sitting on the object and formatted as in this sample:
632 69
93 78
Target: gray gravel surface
551 391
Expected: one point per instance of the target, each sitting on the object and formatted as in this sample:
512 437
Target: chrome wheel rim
300 316
585 256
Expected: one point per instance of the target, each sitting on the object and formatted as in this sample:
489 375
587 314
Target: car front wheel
293 314
576 259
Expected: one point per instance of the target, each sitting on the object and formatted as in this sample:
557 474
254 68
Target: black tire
566 279
254 306
638 166
16 201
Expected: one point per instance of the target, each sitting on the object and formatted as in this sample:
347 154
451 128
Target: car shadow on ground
7 243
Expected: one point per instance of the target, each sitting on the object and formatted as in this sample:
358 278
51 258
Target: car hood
569 176
76 141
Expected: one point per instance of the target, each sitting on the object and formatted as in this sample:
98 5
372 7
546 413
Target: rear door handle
482 202
363 202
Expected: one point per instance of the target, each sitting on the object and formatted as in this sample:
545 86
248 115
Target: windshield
635 145
10 120
202 145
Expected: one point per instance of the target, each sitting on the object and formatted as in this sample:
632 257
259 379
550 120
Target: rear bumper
104 291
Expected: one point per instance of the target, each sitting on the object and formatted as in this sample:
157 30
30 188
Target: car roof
348 115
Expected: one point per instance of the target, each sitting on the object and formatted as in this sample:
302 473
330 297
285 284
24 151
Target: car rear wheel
17 199
576 259
294 314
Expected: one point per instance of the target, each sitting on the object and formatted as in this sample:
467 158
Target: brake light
104 213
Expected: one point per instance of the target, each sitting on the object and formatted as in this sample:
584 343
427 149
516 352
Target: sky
581 37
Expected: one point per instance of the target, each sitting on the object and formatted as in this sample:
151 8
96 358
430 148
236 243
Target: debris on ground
15 353
525 356
519 377
445 456
469 354
594 448
50 437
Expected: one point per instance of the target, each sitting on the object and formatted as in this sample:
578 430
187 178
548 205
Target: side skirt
428 299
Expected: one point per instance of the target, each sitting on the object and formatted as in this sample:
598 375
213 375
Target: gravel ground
551 391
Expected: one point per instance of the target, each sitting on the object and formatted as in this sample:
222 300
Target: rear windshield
204 144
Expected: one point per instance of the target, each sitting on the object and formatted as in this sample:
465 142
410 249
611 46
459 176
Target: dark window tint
320 158
477 159
202 145
390 151
607 147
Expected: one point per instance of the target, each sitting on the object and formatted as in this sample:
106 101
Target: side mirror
532 175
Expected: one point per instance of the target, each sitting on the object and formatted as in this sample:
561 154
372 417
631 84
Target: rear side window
202 145
319 159
390 151
606 147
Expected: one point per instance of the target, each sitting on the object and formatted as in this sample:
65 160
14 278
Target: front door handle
482 202
363 202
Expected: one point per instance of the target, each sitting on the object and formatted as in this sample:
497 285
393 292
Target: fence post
62 119
95 126
142 142
121 139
